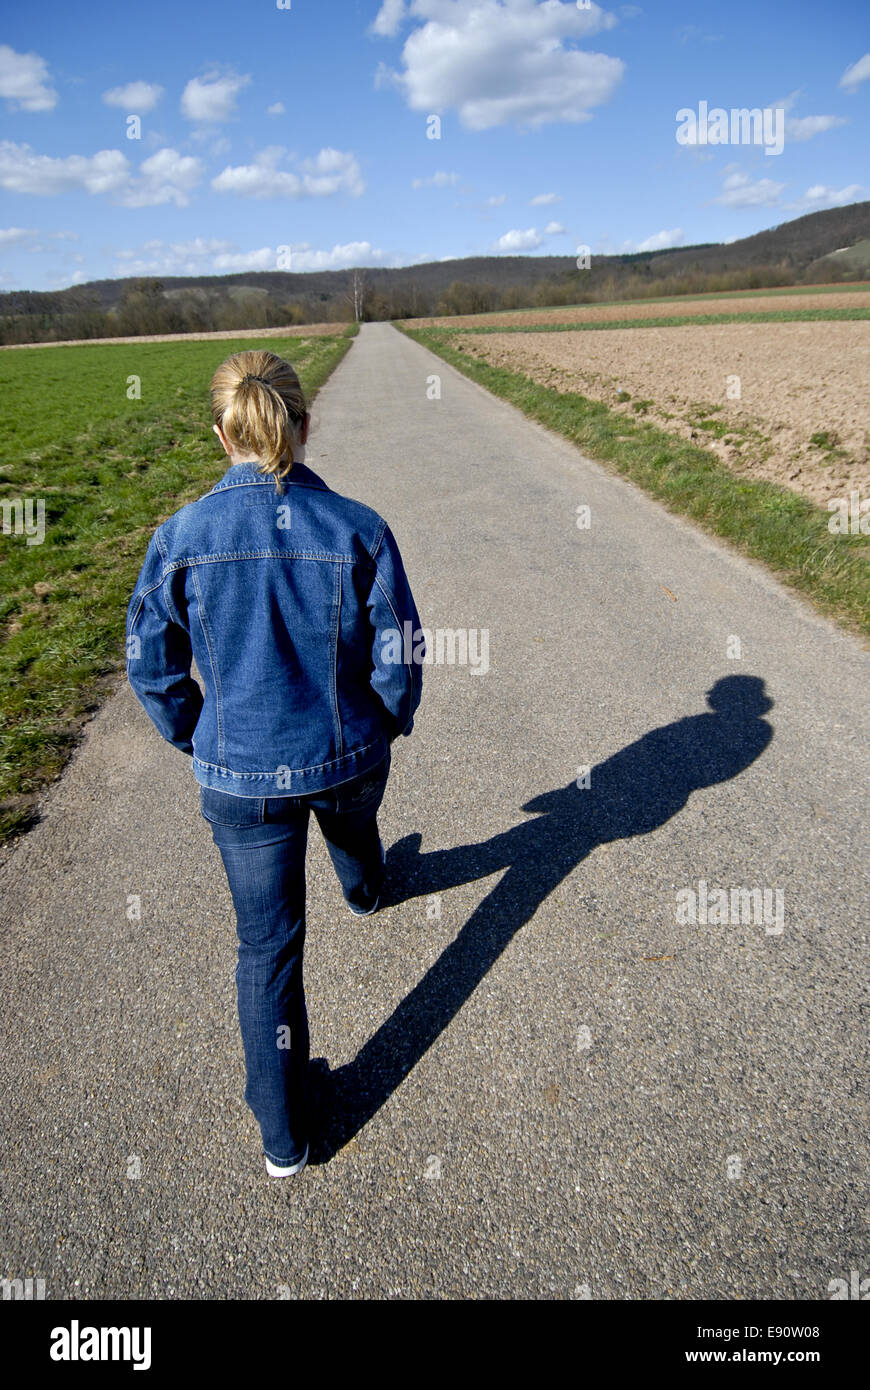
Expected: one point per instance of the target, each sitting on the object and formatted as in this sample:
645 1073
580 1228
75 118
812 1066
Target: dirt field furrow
785 402
655 309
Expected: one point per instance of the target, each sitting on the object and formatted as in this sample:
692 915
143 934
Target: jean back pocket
221 808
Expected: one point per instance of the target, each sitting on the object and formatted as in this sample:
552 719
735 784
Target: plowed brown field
655 309
796 380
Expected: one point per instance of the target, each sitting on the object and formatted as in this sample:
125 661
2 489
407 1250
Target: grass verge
110 468
769 523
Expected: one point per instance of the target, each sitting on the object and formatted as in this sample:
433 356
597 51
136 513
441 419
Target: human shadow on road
633 792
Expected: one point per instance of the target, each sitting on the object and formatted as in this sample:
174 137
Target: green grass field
665 321
767 522
110 469
855 258
856 286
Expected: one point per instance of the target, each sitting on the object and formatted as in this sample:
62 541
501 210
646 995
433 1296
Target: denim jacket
286 602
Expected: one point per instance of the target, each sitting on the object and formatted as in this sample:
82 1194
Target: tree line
147 306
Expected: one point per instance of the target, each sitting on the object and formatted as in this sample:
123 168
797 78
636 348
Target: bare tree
357 294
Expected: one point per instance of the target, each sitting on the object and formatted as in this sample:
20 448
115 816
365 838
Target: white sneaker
275 1172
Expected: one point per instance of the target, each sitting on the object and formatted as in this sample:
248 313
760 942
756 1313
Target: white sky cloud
228 262
24 171
33 241
207 256
801 128
276 109
305 257
62 279
542 200
856 74
135 97
528 239
24 81
496 200
660 241
212 98
389 18
498 63
439 180
330 172
690 33
164 177
11 236
821 196
517 240
738 191
172 258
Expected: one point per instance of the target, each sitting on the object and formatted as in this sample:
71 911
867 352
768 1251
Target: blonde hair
258 402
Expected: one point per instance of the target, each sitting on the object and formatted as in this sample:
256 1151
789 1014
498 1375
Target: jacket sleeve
398 647
159 654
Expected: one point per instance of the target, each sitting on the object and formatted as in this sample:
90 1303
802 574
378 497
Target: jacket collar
244 473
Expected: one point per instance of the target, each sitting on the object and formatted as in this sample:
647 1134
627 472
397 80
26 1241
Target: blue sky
298 137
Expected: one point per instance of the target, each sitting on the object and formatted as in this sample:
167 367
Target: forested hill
800 251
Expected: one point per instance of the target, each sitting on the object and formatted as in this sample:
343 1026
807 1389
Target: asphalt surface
540 1083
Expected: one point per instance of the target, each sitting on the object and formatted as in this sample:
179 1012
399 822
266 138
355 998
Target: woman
290 598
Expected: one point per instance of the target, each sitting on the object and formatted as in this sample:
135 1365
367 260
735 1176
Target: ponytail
258 402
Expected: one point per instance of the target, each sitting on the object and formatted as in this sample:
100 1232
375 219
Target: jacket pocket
223 809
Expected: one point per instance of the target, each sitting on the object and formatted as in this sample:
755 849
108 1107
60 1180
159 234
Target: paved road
543 1084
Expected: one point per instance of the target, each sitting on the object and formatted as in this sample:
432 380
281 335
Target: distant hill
793 244
855 259
808 249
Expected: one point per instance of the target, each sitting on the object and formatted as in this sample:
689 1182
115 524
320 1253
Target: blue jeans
262 842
